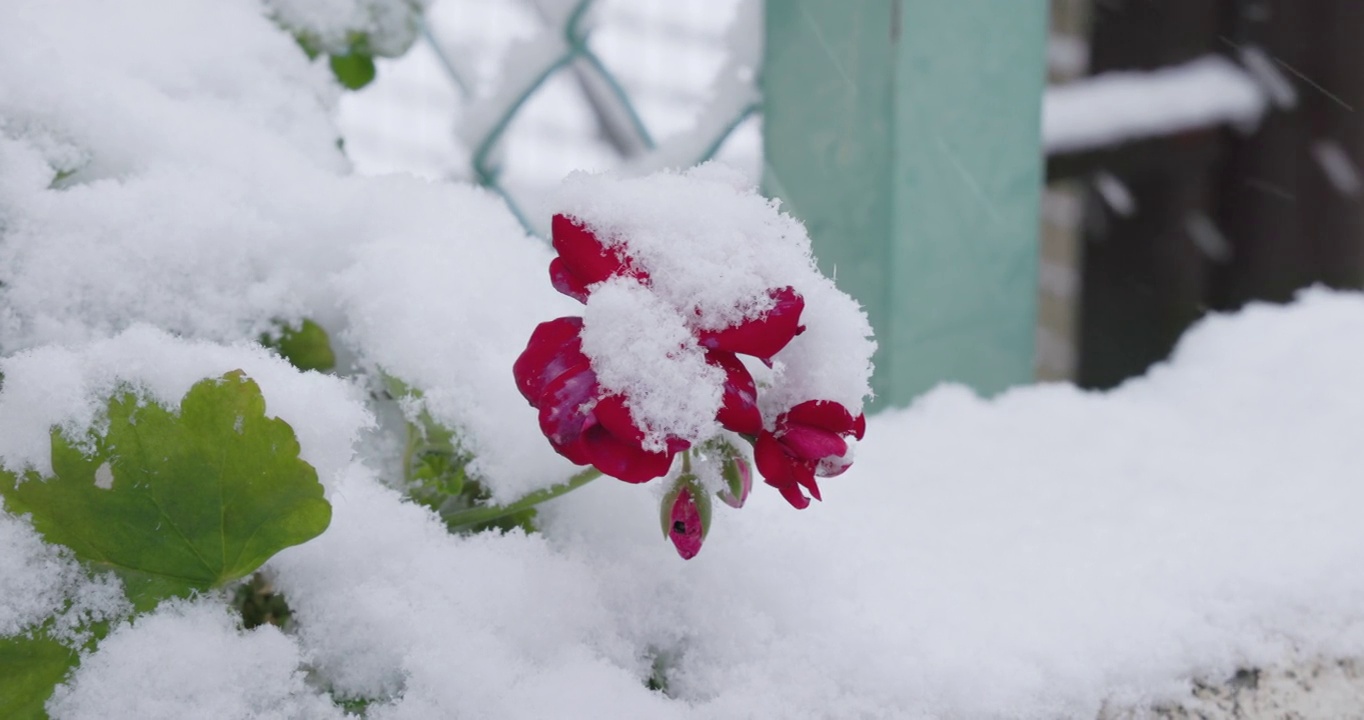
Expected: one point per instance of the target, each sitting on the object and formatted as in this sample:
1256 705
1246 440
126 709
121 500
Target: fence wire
572 57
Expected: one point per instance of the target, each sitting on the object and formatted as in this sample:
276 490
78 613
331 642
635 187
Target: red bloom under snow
808 440
581 421
591 427
584 261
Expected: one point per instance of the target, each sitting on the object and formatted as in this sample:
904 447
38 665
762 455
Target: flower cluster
591 424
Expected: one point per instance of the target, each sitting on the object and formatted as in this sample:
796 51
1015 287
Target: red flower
584 260
764 336
581 421
739 404
808 440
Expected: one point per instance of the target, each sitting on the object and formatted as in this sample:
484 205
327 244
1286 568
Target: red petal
563 419
616 418
686 525
805 476
860 426
778 469
622 459
739 411
761 337
554 347
822 414
807 443
793 495
832 466
565 281
583 254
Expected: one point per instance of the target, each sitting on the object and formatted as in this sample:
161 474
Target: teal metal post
906 134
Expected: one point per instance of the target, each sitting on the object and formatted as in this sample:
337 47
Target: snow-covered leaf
177 502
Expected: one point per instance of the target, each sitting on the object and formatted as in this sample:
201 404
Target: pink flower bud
738 476
685 530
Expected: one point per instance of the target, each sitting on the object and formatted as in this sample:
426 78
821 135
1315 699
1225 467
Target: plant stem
488 513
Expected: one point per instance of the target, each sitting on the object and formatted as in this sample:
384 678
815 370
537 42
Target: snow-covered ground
1046 553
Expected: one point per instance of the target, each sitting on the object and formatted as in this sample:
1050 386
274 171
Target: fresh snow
1046 553
388 26
713 249
1036 555
190 660
1120 106
1043 554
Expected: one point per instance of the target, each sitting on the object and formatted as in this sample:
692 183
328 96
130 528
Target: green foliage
307 346
30 668
259 604
353 71
435 468
60 177
177 503
435 463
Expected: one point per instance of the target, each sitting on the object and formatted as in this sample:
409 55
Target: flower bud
685 516
738 475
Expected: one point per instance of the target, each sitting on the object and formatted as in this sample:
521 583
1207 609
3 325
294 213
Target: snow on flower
809 440
681 276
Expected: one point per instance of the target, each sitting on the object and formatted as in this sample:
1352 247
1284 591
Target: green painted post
906 134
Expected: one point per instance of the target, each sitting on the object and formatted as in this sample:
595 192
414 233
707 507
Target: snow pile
1044 554
1121 106
55 386
155 668
1032 556
447 311
204 195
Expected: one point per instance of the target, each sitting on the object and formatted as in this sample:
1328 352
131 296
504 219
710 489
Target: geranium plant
659 364
264 442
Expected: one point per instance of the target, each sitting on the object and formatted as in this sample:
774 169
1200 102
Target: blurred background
1052 191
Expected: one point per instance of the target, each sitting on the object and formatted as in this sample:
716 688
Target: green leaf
307 346
354 71
177 503
30 667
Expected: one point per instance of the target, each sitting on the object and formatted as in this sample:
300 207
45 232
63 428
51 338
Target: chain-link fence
513 94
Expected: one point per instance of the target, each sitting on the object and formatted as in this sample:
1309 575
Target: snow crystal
1340 170
642 348
40 581
69 387
1276 86
191 660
